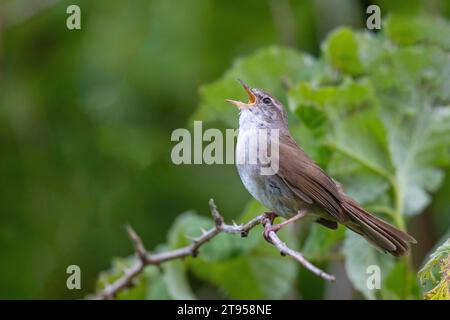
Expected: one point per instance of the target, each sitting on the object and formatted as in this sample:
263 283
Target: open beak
251 98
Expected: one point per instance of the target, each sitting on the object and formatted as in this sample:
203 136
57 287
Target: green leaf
341 51
176 282
401 283
321 241
359 256
411 29
418 149
119 266
437 272
441 291
405 29
157 288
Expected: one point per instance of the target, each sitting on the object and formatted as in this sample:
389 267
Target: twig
145 258
286 251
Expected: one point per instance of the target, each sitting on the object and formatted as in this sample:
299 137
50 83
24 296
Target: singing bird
300 184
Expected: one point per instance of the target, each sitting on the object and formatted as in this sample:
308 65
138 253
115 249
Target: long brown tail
378 232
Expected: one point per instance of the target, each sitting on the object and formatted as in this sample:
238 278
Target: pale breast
270 190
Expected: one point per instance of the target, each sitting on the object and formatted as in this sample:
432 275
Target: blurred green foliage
86 118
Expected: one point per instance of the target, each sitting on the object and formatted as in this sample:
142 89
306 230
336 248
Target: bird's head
262 109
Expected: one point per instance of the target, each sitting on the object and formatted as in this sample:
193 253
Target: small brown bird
299 183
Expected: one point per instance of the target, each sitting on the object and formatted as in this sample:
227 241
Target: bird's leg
275 228
268 216
300 214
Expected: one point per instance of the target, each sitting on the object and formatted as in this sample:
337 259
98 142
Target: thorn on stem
218 219
190 238
131 233
138 245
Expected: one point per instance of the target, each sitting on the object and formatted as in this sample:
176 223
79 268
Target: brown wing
307 180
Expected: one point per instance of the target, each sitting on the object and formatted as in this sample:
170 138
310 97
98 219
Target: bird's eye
267 100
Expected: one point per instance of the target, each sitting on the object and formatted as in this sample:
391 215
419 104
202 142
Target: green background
86 118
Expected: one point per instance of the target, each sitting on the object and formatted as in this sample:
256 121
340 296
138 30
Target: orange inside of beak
251 97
